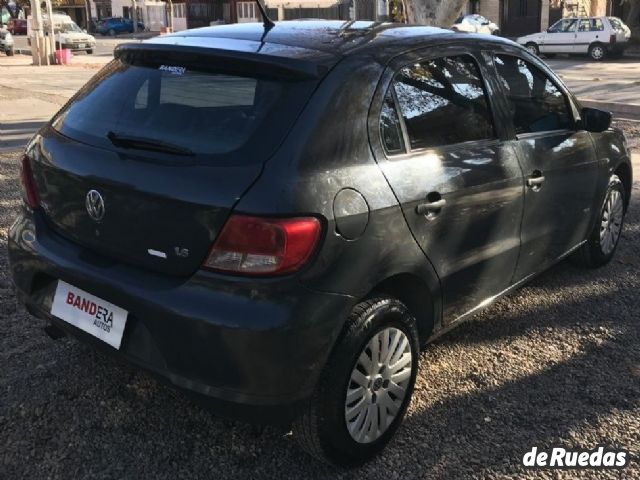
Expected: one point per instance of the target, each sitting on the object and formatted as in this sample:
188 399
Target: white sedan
475 24
595 36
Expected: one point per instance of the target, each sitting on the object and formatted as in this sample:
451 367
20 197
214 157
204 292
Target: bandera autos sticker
173 69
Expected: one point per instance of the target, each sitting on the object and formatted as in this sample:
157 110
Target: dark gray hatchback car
276 220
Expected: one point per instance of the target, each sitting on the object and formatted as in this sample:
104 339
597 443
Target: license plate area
89 313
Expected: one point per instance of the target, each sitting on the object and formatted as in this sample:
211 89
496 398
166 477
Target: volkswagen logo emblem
95 205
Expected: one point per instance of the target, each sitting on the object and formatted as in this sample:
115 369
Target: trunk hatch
166 148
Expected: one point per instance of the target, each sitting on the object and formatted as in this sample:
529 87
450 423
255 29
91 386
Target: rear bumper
240 341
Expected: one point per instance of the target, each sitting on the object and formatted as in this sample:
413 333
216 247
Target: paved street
104 45
38 92
601 84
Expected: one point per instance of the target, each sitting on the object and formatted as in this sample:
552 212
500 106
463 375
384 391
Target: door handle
535 181
431 208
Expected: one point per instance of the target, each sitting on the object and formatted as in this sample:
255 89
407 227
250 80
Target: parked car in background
17 26
67 34
6 42
475 24
115 25
597 37
347 192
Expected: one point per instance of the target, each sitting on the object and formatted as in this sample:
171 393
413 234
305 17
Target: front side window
536 104
443 102
564 26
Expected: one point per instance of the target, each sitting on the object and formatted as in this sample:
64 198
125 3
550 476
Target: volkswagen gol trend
277 219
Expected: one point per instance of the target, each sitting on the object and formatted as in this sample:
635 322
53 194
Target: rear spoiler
234 60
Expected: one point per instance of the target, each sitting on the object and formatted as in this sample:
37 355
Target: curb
629 110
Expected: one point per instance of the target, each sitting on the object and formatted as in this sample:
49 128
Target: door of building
520 17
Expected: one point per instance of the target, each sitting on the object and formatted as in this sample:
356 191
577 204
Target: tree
632 18
441 13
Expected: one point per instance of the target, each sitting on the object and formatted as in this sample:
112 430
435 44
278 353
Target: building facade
521 17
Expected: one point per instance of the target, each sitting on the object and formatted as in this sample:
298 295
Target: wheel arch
623 171
420 297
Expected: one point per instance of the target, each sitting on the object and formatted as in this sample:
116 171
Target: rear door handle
536 180
532 182
430 208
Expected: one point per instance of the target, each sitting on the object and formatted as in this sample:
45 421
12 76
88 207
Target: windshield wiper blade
151 144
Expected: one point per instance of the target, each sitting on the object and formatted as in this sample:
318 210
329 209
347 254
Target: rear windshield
616 23
218 115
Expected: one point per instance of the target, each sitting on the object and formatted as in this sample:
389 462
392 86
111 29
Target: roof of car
320 41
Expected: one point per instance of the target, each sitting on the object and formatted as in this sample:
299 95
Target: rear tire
90 51
533 49
603 241
597 52
112 32
365 387
9 52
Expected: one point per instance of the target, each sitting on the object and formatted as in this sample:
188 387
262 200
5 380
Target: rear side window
616 23
535 102
597 25
390 129
443 102
210 113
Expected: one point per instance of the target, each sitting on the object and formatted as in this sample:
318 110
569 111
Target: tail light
29 191
264 246
612 39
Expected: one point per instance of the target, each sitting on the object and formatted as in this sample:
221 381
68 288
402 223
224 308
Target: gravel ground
557 363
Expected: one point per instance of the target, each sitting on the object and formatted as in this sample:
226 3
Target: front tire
597 52
9 52
603 240
366 386
112 32
533 49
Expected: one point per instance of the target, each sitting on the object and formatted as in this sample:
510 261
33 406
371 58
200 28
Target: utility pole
51 33
135 16
382 13
38 50
170 16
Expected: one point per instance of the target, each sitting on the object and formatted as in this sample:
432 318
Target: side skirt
488 301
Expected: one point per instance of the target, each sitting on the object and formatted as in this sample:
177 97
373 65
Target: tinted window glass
536 104
206 112
390 130
443 102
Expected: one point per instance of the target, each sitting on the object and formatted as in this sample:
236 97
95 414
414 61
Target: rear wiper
151 144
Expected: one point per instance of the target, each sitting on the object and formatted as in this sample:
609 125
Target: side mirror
594 120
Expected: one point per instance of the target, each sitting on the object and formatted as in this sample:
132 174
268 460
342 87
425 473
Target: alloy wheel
611 223
378 385
597 53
